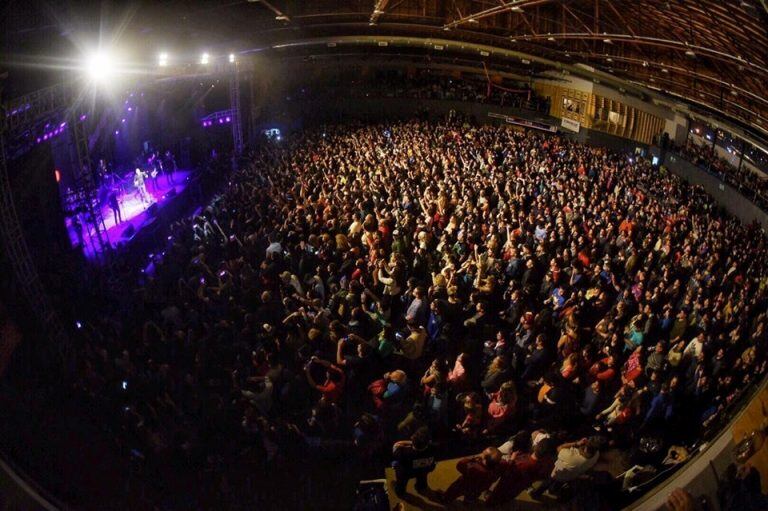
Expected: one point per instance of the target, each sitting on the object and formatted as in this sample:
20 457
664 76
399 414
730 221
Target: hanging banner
570 124
525 123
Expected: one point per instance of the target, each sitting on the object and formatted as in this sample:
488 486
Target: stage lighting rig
99 66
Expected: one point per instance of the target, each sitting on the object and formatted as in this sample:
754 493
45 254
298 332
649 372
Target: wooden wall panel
594 112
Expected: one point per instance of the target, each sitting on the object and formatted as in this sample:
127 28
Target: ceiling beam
378 9
513 6
279 15
648 41
676 69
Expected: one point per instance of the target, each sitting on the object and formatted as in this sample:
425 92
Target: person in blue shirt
659 411
634 337
435 325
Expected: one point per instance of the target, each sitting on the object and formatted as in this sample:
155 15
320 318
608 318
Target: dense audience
447 288
749 183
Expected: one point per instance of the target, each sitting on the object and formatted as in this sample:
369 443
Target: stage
135 213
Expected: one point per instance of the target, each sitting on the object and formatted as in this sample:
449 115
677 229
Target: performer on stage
77 225
103 172
157 169
141 187
114 205
169 166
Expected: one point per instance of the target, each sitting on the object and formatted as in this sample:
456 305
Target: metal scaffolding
12 236
234 99
86 194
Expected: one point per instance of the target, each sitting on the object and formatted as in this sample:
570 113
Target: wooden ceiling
710 52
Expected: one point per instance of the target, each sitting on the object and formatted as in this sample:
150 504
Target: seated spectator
520 469
574 459
477 474
501 408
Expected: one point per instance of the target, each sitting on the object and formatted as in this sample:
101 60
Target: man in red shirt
333 386
478 473
520 470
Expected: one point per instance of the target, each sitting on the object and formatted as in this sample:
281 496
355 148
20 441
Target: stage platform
135 213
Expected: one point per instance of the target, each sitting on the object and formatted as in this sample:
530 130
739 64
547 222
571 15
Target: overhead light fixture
734 93
99 66
446 28
513 40
282 17
516 8
472 20
231 58
162 59
205 59
645 63
607 41
664 70
550 38
608 59
690 53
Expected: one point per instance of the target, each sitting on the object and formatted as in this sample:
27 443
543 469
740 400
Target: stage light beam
162 59
99 67
205 58
231 58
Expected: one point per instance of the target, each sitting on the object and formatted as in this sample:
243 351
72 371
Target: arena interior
383 255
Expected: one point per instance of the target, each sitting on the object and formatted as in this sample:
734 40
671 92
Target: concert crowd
751 184
427 290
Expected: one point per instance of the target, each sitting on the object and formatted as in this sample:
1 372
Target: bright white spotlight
162 59
231 58
205 58
99 67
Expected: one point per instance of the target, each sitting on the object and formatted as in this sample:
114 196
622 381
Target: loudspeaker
129 232
152 210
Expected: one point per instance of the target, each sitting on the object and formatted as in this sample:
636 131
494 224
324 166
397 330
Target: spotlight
162 59
231 58
205 58
99 67
229 119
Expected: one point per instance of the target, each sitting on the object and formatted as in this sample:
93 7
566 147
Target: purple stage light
229 119
130 109
117 132
83 117
38 140
122 120
62 124
221 121
45 137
